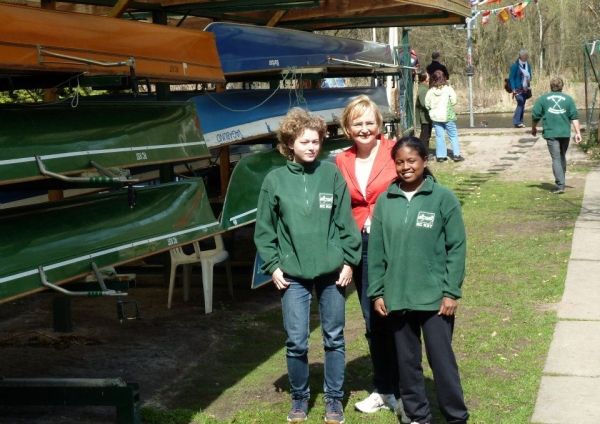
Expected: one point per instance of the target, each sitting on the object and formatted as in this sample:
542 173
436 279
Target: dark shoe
458 158
558 191
431 157
298 411
334 412
521 125
441 159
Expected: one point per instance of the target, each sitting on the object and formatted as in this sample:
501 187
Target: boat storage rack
73 392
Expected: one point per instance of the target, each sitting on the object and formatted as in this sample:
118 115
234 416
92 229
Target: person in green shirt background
308 238
558 111
423 112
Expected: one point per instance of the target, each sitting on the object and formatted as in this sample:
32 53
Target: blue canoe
248 48
242 115
236 116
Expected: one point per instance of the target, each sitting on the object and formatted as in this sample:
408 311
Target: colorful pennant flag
503 15
514 11
518 11
486 17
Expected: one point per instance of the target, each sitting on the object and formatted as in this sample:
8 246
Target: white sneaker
375 402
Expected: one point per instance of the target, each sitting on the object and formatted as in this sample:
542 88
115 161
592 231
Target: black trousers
381 344
425 135
437 334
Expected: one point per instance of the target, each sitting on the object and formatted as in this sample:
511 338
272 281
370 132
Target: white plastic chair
207 259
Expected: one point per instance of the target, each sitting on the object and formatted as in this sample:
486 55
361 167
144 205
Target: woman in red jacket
368 169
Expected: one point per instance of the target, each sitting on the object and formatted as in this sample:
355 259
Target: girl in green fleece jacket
308 238
417 251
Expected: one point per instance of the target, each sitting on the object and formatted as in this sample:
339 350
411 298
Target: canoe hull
66 237
249 48
23 29
244 115
123 134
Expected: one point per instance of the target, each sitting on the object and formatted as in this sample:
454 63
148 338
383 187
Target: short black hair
435 55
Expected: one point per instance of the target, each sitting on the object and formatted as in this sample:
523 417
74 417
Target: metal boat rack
74 392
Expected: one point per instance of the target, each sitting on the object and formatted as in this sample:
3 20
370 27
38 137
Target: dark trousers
437 334
425 135
379 336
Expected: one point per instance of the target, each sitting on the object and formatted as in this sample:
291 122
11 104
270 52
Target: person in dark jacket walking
435 65
520 80
422 111
308 238
417 254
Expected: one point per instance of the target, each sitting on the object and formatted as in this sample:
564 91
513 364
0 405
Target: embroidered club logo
325 200
425 219
556 109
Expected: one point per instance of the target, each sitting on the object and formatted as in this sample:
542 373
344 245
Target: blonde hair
358 107
293 125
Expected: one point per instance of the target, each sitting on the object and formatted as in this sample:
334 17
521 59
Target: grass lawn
519 242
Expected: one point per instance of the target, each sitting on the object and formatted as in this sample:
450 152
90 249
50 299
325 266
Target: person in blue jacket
417 253
520 80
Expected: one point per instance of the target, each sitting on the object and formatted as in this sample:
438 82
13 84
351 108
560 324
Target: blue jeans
520 110
558 151
379 335
295 302
440 138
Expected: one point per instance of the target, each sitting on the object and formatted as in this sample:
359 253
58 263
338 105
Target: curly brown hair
437 79
356 108
293 125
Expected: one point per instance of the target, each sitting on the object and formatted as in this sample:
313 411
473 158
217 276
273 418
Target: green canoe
66 237
240 203
115 134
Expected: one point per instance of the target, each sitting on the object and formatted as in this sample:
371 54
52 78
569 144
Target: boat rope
298 91
75 101
74 98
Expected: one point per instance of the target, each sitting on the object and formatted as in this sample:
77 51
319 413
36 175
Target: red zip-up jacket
382 173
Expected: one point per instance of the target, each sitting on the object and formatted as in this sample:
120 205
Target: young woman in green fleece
308 238
416 254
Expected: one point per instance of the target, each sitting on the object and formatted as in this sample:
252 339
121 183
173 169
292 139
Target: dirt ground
158 351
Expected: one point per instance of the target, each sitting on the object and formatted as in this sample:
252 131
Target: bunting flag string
504 14
482 2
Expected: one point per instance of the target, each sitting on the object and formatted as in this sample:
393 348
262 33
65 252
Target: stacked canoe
89 145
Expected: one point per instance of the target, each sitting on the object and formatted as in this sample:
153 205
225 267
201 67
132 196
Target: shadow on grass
543 186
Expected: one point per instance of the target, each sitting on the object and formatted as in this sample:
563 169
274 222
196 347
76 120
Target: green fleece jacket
557 111
304 222
417 249
423 112
441 101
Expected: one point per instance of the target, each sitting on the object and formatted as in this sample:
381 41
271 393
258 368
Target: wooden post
275 18
119 8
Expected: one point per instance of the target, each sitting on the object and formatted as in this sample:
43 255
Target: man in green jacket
558 111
